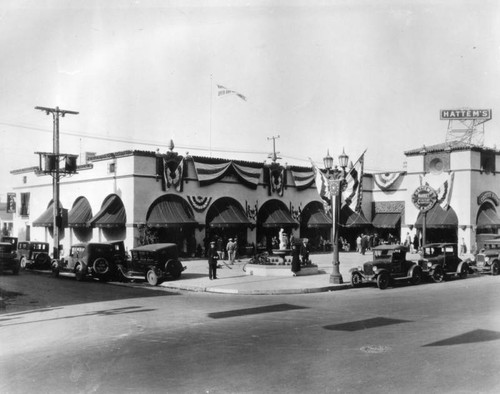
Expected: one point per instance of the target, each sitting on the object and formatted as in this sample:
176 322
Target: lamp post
336 179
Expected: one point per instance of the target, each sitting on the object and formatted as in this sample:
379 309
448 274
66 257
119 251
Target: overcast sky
354 74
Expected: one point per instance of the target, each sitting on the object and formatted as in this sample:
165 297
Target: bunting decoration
209 173
352 195
303 179
386 180
225 91
445 190
173 173
199 203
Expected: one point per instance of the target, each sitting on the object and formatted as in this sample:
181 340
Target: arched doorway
441 225
316 225
487 223
80 214
111 218
273 215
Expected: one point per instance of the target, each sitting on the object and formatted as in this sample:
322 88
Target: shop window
111 168
25 204
488 162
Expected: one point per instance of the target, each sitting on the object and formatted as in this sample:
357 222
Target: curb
215 290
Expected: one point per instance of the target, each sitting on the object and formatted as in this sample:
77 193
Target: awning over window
319 219
80 214
488 218
386 220
273 215
229 216
46 219
170 213
349 218
112 213
437 217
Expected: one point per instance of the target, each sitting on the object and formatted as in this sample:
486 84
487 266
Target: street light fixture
336 179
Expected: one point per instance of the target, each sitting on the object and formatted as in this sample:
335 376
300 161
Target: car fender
416 266
352 270
462 263
378 271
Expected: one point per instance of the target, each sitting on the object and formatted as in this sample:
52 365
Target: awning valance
112 213
349 218
276 216
488 219
386 220
170 213
438 217
80 214
229 216
46 219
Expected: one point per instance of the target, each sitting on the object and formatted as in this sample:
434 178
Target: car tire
437 275
80 272
100 266
152 277
464 270
495 268
23 263
42 260
356 279
174 268
416 276
55 269
383 280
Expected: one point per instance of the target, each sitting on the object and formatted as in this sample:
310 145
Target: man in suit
212 261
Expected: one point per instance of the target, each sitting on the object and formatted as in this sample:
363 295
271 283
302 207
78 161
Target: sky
322 75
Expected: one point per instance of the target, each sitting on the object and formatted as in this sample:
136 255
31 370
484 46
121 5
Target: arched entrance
316 225
111 218
441 225
273 215
80 214
487 223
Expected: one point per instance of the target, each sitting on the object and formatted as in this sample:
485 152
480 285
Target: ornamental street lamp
336 179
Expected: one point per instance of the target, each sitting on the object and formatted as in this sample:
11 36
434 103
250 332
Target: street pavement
233 280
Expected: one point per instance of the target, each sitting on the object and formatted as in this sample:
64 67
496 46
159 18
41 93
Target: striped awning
438 217
488 219
229 215
274 215
319 219
80 214
112 213
386 220
46 219
349 218
170 213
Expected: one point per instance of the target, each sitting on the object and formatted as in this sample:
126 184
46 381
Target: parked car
94 260
488 259
389 264
8 258
33 254
154 262
440 260
11 240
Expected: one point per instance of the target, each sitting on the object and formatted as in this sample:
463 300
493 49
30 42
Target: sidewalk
235 281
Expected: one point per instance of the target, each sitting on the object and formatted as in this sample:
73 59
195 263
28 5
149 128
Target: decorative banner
208 173
199 203
277 180
303 179
173 172
296 213
352 195
11 202
424 198
251 212
444 192
385 181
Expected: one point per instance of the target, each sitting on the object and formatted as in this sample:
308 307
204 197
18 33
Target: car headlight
429 264
374 267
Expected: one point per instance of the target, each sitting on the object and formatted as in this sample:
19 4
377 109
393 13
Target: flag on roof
224 91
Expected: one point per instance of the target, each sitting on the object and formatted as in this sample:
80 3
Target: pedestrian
463 247
295 259
220 248
236 254
213 256
304 251
364 243
358 244
230 251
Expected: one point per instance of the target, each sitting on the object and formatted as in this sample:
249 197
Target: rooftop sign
465 114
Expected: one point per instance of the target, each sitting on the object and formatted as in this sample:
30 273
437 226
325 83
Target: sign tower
466 125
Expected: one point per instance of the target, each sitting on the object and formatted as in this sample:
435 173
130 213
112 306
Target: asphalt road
63 336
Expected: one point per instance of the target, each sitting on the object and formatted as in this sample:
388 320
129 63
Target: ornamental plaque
424 198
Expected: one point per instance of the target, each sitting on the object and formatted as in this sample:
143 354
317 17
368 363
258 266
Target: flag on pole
352 195
444 191
322 185
224 91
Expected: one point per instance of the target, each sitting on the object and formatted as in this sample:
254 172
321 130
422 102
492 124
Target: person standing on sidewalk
231 251
295 259
212 261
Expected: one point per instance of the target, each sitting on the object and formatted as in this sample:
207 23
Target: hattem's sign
465 114
424 198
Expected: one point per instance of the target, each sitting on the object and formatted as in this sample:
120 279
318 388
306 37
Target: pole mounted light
336 179
52 163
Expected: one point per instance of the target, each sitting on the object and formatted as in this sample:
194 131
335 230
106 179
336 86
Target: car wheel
23 263
80 272
383 280
438 274
356 279
55 269
174 268
416 276
42 260
152 277
101 266
464 270
495 268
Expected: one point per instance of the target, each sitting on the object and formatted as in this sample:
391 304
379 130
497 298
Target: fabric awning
46 219
349 218
229 216
319 219
437 217
80 214
276 216
488 219
170 213
386 220
112 214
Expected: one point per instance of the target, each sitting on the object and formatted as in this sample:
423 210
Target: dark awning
170 213
437 217
386 220
46 219
276 216
349 218
229 216
80 214
112 214
319 219
488 219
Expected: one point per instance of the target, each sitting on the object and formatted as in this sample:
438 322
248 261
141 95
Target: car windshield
382 254
432 252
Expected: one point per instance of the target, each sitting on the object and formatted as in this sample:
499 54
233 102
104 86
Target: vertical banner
11 202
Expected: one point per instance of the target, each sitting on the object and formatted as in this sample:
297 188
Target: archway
273 215
316 225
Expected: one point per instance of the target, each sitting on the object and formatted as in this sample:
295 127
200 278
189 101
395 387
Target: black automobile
10 240
8 258
487 261
154 262
33 254
440 260
389 264
88 260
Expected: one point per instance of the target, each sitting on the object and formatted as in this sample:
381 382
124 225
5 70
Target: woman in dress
295 258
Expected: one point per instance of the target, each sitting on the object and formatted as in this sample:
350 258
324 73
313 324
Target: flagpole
211 98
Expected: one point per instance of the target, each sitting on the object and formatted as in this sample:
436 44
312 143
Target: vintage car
33 254
8 258
487 261
94 260
389 264
154 262
439 260
11 240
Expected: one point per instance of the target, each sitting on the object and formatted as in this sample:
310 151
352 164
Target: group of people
217 252
365 242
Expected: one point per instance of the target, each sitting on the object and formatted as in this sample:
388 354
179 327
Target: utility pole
274 156
52 168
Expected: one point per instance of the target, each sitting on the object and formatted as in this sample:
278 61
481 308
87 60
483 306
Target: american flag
224 91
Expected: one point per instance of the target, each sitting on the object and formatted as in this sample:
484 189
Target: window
111 168
25 204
